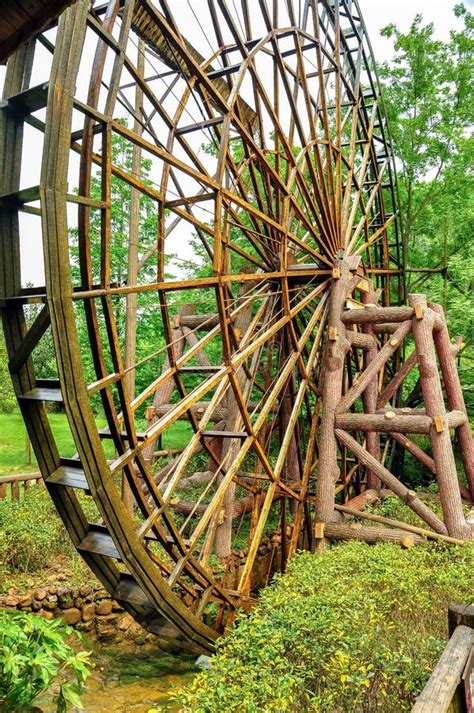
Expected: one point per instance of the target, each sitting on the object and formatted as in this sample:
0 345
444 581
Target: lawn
13 438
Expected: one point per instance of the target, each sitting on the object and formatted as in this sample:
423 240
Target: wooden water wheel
270 176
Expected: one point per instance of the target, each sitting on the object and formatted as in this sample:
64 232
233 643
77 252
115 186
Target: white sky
376 13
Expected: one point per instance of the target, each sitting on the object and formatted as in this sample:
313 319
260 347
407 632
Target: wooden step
129 591
70 474
99 541
28 101
225 434
45 390
27 295
17 198
105 433
200 125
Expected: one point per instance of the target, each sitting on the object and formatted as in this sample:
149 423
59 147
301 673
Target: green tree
7 396
428 93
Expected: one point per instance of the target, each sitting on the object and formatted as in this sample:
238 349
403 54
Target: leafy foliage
428 94
31 530
33 655
356 629
7 396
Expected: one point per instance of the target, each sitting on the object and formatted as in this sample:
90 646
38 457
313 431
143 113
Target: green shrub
356 629
31 530
33 655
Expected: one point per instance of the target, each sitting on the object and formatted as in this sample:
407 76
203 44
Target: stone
25 600
40 594
106 633
46 615
71 616
11 600
125 622
52 589
36 606
50 602
104 608
116 606
78 602
86 625
85 590
88 611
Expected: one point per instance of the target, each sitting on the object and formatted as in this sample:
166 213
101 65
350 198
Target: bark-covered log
369 497
375 315
371 535
240 507
392 388
360 340
374 367
443 455
383 423
353 512
335 351
370 393
415 450
446 355
408 496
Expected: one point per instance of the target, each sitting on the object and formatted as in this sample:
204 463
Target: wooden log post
230 446
132 267
335 351
164 391
450 496
370 394
446 355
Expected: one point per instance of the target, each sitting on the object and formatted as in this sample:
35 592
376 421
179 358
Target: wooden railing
10 485
450 686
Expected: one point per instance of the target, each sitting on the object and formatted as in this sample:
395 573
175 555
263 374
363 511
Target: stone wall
89 609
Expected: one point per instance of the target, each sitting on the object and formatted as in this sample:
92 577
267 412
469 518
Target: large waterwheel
268 175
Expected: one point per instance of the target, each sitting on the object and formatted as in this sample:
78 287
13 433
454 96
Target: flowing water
130 678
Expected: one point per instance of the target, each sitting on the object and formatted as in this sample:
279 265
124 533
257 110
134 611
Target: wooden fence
450 686
11 485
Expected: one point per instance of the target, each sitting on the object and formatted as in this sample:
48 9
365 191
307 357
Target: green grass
13 436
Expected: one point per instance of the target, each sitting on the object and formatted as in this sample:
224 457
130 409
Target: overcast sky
376 13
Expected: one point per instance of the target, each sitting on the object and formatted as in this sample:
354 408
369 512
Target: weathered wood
439 692
460 614
443 455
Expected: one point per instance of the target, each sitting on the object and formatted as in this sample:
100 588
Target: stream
128 677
